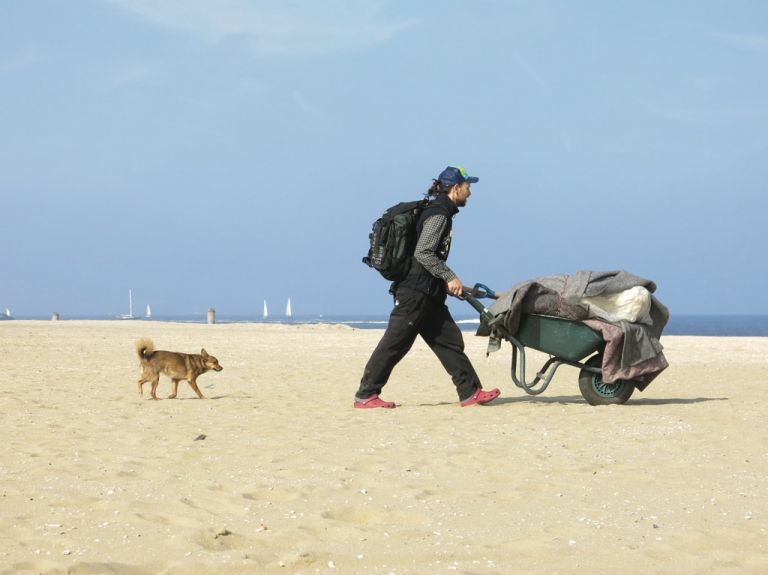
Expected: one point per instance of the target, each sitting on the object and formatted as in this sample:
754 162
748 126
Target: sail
149 312
265 313
129 315
288 311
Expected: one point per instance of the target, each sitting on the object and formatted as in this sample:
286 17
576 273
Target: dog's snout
218 368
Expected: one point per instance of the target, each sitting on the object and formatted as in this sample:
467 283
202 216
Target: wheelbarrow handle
473 296
480 291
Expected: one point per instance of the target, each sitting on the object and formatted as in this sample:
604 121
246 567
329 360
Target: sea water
697 325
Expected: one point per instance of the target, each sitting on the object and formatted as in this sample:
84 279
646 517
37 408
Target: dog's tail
145 347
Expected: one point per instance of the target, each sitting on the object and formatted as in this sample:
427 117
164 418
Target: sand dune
290 479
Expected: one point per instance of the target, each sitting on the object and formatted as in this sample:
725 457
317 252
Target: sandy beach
289 478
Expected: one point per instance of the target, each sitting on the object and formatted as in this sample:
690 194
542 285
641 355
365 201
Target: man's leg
398 339
444 338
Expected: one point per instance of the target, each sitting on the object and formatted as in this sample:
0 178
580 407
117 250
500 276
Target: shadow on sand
568 399
637 401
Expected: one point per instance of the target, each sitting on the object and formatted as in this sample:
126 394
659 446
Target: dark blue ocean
718 325
702 325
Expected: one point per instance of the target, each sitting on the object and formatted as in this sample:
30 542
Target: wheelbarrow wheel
597 392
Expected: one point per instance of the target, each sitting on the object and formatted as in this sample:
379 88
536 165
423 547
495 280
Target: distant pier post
55 316
211 315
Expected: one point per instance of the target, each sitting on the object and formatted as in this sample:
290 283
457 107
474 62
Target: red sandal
481 397
374 401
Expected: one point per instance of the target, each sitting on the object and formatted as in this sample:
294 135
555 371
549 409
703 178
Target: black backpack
393 240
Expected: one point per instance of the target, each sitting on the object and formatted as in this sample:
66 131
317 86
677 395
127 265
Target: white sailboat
6 315
148 315
129 315
265 313
288 311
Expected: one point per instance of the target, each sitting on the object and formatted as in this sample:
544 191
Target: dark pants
415 314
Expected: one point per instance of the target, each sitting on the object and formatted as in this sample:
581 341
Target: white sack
632 305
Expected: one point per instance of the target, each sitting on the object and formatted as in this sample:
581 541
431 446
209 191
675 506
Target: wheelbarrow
566 341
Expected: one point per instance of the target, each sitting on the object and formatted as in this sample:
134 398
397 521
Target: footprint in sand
83 568
219 540
368 515
268 494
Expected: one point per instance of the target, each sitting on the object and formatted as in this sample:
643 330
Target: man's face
460 194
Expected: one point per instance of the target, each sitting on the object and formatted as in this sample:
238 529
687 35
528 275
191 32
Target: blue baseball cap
451 176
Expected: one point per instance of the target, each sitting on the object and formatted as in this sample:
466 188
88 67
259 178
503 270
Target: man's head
456 182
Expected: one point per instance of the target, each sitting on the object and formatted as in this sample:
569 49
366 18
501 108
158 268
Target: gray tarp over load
619 305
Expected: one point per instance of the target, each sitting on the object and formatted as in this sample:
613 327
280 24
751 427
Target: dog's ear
203 352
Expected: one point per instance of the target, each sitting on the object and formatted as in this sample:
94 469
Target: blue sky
221 153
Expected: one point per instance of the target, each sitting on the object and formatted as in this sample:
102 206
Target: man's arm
428 246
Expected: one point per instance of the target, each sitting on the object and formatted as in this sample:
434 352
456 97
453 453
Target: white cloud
275 26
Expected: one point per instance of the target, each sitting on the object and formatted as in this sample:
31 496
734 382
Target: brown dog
177 366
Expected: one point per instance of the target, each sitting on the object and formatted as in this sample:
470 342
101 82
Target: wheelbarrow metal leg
543 378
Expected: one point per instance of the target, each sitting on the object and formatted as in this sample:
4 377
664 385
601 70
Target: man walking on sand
420 302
